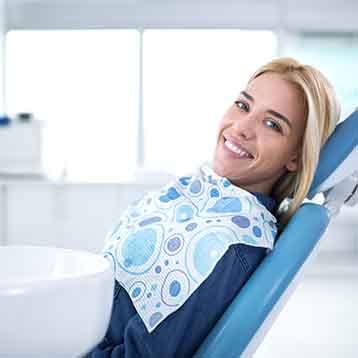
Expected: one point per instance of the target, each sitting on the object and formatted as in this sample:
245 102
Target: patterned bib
168 242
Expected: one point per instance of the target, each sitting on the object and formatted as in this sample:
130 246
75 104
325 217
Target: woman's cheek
225 121
223 124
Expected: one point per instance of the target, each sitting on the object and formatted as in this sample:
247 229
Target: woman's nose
246 126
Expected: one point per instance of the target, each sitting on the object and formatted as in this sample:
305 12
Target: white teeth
236 149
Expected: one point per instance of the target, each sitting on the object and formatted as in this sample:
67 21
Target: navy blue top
181 333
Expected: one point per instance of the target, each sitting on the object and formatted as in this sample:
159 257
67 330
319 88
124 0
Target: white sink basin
53 302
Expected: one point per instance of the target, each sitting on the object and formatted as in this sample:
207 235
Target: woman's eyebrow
276 114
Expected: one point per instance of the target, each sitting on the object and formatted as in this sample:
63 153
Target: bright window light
336 56
84 86
191 77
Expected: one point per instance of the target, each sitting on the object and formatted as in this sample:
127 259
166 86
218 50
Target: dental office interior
103 101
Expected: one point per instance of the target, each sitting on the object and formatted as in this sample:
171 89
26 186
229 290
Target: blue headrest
342 142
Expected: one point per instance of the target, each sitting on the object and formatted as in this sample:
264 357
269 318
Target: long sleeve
181 333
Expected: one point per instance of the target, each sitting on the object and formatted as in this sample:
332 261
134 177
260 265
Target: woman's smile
236 150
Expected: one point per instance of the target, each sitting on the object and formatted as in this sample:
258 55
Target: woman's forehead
272 92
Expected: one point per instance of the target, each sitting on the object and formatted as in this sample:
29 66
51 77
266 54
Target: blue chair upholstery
258 298
340 144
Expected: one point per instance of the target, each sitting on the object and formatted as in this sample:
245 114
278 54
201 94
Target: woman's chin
218 167
222 168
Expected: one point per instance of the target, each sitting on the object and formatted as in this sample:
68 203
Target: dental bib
168 242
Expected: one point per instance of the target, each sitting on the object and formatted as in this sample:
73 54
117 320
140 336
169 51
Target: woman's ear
292 165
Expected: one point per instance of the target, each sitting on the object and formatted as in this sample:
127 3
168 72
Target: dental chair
251 314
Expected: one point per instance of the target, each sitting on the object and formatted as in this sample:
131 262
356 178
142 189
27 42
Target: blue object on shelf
4 120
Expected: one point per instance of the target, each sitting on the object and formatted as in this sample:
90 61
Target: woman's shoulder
267 201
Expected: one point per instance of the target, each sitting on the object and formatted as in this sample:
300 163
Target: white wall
76 216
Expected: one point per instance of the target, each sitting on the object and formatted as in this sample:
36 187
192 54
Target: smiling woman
270 137
253 126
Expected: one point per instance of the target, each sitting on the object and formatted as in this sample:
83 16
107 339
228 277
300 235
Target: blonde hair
322 111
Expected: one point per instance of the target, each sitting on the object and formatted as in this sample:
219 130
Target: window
84 86
333 54
191 77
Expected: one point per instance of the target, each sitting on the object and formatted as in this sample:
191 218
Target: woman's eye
242 105
273 125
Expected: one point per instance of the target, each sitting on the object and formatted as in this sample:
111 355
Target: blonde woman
267 150
285 161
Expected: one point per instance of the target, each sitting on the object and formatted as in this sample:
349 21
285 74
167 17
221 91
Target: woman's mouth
236 151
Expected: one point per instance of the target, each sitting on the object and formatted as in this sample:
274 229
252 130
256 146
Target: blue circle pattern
191 227
226 182
214 193
174 288
136 292
207 251
195 187
173 244
226 205
151 220
184 213
184 181
172 194
257 231
155 318
139 247
248 239
132 249
241 221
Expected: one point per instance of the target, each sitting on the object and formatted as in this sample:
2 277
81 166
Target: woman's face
260 134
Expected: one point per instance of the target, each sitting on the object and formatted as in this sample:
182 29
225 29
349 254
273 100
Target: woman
268 148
